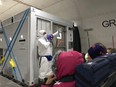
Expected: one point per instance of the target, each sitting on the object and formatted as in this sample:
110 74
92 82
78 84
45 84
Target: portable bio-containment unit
18 37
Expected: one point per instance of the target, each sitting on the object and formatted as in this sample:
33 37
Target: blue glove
49 57
50 37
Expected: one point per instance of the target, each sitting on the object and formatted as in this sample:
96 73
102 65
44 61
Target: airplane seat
110 81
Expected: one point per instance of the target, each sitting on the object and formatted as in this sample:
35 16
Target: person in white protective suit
45 54
45 49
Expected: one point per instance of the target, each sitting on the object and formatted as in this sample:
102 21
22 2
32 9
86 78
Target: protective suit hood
41 33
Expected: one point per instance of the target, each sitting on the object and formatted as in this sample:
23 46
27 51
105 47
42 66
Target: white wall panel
100 33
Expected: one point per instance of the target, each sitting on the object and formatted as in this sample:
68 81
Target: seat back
92 74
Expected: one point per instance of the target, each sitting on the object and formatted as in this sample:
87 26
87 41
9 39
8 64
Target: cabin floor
5 82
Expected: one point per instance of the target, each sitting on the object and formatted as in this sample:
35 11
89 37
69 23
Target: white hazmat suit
45 49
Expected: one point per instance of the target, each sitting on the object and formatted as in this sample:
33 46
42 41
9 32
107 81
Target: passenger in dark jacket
98 49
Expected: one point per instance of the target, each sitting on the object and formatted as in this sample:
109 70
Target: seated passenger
64 65
111 50
98 49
